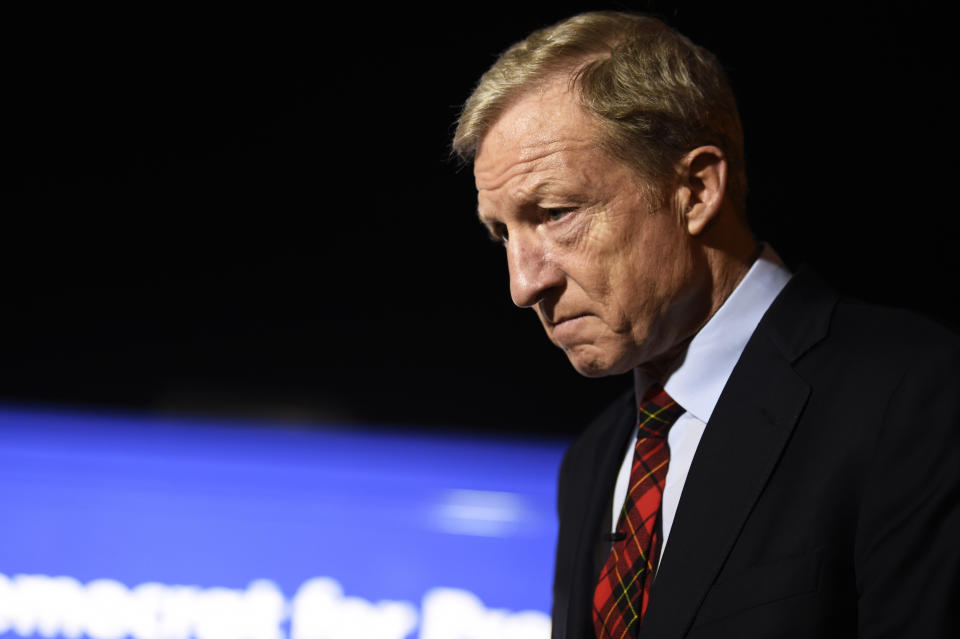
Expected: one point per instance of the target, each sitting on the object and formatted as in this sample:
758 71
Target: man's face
615 283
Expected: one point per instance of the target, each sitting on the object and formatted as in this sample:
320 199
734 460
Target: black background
256 214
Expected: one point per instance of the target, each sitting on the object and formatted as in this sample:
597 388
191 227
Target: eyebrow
545 187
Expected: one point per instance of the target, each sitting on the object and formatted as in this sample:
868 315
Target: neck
725 269
728 271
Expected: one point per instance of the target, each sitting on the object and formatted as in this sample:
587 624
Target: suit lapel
595 513
750 426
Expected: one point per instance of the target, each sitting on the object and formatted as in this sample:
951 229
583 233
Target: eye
498 233
558 213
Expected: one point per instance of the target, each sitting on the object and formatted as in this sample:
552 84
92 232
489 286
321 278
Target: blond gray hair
655 94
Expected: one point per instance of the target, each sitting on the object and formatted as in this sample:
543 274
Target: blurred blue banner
115 526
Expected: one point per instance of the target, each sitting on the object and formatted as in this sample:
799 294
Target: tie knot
658 411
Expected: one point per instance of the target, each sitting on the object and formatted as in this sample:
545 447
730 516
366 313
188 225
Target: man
788 464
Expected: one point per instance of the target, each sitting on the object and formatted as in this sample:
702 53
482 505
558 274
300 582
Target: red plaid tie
621 595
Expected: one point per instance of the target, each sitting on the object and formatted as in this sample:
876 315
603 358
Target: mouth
565 318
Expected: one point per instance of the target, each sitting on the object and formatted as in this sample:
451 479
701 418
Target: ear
703 185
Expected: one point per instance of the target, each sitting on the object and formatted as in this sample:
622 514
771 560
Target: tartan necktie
622 593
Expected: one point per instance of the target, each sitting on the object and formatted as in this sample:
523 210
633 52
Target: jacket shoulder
897 331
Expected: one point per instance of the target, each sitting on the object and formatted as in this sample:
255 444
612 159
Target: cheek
640 289
631 278
601 259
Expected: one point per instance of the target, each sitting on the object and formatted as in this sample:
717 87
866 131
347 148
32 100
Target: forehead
536 130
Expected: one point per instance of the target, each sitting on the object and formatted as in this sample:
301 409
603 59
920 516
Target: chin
592 363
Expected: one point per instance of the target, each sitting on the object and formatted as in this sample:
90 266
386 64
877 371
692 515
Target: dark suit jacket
823 497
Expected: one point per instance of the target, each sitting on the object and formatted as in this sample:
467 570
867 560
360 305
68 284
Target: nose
532 273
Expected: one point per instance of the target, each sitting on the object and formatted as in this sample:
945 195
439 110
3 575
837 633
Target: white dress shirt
696 384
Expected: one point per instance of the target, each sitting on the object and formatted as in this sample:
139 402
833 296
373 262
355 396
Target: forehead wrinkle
532 158
498 176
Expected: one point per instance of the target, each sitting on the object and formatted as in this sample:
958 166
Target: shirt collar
714 351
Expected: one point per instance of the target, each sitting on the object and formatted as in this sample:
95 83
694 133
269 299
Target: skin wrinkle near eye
539 197
578 229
